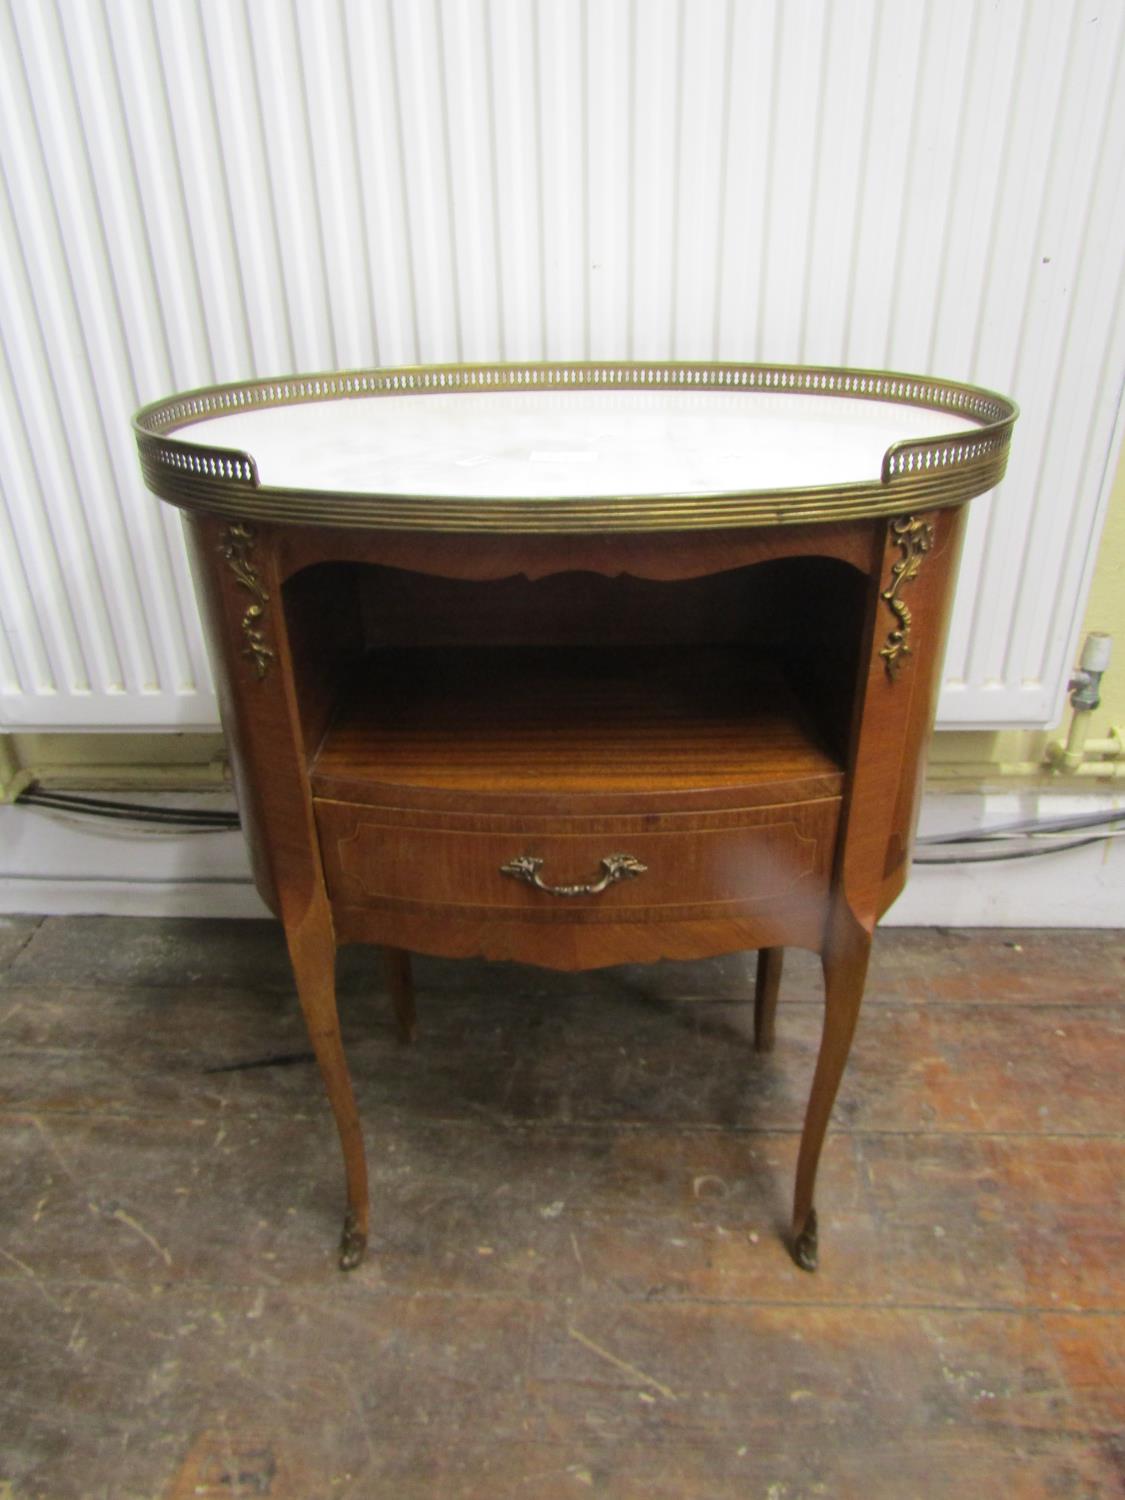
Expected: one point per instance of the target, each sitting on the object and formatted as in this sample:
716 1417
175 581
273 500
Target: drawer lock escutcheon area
615 867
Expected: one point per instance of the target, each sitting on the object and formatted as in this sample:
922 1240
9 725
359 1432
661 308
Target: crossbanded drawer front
693 864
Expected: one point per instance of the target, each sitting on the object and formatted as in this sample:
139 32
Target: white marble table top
571 444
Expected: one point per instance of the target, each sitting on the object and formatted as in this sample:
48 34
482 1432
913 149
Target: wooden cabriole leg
845 970
917 557
312 951
396 967
766 987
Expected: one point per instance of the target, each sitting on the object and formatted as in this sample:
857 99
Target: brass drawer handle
615 867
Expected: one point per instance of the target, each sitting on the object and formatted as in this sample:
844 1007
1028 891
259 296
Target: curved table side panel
222 608
930 597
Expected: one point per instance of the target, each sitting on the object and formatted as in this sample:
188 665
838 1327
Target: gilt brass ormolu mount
914 539
235 546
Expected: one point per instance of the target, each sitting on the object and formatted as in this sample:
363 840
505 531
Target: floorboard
577 1282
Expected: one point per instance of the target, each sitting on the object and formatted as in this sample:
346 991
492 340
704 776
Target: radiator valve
1085 686
1079 755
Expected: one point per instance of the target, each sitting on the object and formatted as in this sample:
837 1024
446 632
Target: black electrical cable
80 800
131 820
153 816
988 859
148 820
1025 826
1028 828
136 812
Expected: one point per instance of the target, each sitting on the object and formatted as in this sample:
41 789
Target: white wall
204 191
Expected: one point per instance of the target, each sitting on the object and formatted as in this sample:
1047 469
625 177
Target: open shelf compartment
571 722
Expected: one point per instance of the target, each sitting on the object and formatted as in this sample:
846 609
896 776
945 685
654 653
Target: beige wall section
966 760
1106 609
977 758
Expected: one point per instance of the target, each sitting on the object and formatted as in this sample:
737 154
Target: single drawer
581 869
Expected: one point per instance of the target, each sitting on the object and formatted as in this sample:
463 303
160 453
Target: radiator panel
197 193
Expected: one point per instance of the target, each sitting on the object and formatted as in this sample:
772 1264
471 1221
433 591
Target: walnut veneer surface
577 751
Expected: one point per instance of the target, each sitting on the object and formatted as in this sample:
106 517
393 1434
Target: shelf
514 723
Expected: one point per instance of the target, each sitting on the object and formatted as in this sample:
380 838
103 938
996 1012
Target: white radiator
202 190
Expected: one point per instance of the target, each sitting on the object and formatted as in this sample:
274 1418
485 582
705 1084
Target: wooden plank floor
577 1284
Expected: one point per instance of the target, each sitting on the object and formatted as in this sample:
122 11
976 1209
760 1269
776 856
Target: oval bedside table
578 664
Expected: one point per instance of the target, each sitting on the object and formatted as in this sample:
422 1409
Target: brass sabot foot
805 1250
353 1243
